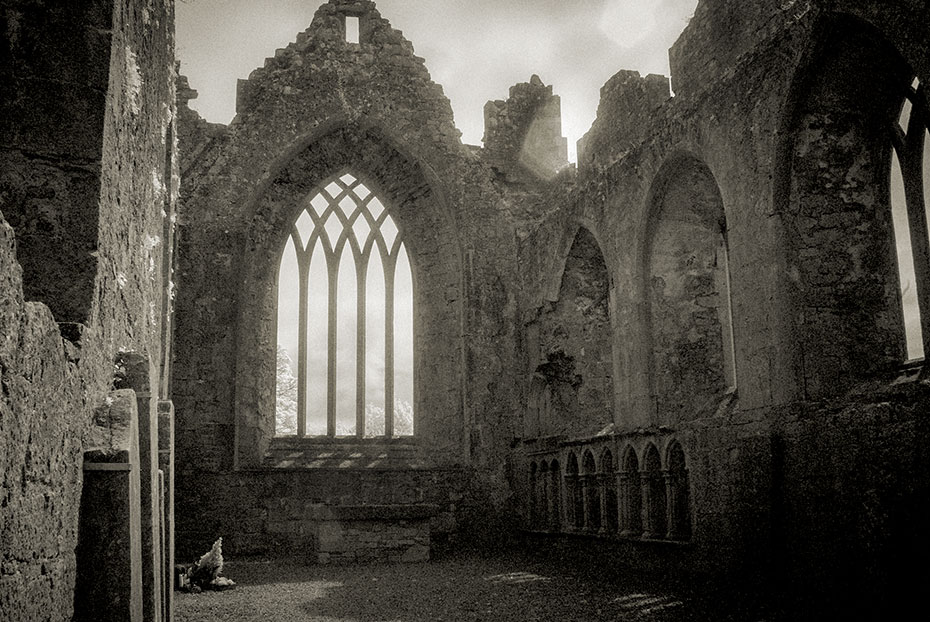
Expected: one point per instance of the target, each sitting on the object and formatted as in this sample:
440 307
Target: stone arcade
688 353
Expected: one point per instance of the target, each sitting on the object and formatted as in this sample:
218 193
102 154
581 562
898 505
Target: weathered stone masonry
685 355
667 330
88 182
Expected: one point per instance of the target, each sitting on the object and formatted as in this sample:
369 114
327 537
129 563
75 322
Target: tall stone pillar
166 464
109 550
138 373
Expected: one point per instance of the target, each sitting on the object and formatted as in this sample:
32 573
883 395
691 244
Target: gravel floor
510 586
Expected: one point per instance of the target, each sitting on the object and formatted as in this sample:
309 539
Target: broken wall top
627 106
722 33
524 133
358 79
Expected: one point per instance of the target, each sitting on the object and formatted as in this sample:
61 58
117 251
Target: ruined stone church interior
340 339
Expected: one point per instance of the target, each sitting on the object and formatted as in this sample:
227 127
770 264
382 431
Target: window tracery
345 318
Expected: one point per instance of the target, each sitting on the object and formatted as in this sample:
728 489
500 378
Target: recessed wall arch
575 355
554 282
832 195
686 280
434 252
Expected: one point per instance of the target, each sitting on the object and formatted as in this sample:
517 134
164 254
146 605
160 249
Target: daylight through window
345 319
909 198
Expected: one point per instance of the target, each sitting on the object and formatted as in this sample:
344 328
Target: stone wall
86 185
322 106
40 453
523 135
770 106
743 273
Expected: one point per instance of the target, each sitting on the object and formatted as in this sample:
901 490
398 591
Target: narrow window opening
907 279
910 160
352 30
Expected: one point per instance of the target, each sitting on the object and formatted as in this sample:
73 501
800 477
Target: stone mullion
389 266
360 348
333 271
303 271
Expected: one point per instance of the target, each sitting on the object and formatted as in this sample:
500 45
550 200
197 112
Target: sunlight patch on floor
516 577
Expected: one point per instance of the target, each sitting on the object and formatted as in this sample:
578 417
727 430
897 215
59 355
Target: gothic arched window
910 193
345 318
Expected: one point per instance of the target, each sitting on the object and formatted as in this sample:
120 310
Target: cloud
476 50
628 23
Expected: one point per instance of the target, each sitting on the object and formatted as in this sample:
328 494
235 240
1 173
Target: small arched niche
688 292
575 345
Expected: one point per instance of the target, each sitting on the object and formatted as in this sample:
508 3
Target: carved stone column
571 482
629 492
542 501
650 520
602 483
549 505
532 504
671 503
555 517
676 495
585 501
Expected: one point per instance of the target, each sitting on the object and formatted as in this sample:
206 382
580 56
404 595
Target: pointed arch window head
345 318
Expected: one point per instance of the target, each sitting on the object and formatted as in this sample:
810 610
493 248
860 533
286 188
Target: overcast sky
476 49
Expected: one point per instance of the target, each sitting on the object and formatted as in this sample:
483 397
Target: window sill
349 453
314 441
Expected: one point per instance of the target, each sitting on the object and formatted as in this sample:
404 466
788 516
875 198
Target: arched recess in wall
409 188
833 193
575 375
688 292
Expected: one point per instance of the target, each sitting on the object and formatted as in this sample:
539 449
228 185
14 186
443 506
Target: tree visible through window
345 319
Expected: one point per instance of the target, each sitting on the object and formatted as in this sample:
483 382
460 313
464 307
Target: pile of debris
205 574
